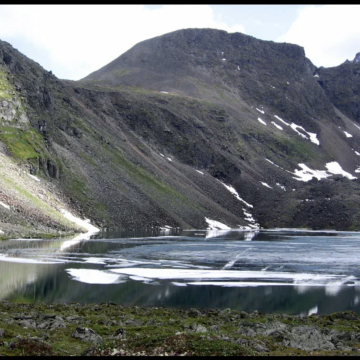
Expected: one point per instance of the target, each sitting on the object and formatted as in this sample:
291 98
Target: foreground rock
113 330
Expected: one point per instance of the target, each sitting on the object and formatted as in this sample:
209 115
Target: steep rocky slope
189 128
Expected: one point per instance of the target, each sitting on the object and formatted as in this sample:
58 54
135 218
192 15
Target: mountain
188 129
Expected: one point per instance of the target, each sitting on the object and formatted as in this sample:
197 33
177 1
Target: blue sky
75 40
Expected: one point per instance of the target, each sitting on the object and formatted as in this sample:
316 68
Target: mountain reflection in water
290 271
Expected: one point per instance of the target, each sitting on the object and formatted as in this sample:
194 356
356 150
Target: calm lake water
290 271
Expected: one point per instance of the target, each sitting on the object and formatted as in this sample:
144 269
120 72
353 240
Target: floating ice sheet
243 278
94 276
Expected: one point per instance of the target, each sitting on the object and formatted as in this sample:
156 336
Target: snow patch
262 121
347 134
357 153
311 136
234 192
280 119
281 186
4 205
169 159
295 128
276 125
200 172
213 225
164 92
162 154
262 111
34 177
83 223
266 185
306 174
335 168
273 163
356 126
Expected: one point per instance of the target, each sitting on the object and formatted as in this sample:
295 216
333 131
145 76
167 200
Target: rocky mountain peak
357 58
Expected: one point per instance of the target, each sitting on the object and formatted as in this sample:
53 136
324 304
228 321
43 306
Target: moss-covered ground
48 329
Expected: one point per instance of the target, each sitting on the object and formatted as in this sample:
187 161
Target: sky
74 40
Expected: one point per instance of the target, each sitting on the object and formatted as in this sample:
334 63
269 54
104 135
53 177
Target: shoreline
112 329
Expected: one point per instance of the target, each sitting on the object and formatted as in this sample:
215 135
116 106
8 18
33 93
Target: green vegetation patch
5 87
48 329
23 144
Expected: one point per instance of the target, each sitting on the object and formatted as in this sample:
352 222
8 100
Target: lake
287 270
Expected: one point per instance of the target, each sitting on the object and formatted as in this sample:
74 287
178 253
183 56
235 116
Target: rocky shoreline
111 329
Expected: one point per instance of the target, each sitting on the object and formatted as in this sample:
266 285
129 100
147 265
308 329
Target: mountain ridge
171 135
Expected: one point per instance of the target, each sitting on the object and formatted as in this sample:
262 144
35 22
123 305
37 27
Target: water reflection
270 271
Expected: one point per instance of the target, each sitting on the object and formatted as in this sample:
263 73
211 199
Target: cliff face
189 126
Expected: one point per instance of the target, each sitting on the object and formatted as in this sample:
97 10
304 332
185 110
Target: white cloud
329 33
74 40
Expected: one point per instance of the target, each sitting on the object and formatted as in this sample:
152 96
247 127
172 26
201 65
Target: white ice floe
34 177
213 225
262 111
262 121
235 193
335 168
276 125
238 278
4 205
200 172
89 276
266 185
14 259
95 260
347 134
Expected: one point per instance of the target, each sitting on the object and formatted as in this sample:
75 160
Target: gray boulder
86 334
